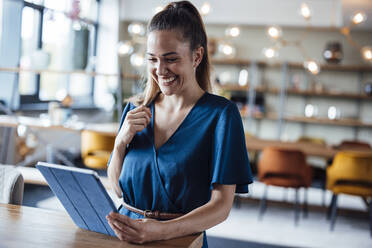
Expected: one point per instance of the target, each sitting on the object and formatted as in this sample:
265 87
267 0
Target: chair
353 145
96 149
318 165
11 185
284 168
350 173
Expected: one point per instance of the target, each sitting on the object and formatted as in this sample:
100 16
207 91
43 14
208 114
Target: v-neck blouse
208 147
152 108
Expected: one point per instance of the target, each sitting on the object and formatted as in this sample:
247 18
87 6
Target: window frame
33 101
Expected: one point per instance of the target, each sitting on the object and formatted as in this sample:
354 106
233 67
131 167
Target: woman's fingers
140 109
124 219
138 121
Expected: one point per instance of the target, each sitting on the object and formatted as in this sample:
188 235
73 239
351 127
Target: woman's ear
198 56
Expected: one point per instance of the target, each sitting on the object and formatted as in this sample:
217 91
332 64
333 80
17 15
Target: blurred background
299 71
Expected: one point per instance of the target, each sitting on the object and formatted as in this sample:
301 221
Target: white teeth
169 80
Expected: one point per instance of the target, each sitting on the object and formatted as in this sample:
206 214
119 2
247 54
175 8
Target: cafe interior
299 71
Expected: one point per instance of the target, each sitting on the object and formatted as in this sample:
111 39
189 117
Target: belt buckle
147 213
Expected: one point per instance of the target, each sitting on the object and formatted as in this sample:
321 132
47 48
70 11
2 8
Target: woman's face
171 62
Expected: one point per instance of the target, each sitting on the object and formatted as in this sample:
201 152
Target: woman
179 156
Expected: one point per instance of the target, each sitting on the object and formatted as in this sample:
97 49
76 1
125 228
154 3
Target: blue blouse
207 148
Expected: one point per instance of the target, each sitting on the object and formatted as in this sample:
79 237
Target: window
58 36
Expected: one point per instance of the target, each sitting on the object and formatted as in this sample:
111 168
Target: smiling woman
180 153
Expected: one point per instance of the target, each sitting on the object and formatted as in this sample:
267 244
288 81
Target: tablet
82 195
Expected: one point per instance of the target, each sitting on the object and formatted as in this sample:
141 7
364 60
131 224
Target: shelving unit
283 91
236 87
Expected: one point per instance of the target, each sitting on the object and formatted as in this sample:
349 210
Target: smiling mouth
169 81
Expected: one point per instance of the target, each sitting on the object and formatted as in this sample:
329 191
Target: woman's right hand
136 120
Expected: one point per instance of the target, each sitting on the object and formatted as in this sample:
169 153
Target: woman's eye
152 59
171 60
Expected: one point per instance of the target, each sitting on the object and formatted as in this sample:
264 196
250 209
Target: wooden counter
22 226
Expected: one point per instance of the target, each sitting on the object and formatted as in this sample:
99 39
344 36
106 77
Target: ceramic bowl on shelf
333 52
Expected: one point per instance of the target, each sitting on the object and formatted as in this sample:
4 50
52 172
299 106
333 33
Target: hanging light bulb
270 52
233 32
312 66
358 18
274 32
305 11
367 53
227 49
158 9
125 48
137 59
136 28
205 9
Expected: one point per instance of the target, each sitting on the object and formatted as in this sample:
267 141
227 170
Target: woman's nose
161 68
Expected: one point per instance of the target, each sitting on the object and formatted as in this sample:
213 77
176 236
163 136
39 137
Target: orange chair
285 168
96 149
350 173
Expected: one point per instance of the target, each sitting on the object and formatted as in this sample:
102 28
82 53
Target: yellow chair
96 149
350 173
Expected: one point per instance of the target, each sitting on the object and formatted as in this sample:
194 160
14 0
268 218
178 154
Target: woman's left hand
137 231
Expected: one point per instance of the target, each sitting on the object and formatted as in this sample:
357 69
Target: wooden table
38 123
309 149
22 226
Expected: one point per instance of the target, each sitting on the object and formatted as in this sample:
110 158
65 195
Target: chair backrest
353 145
285 164
93 141
349 166
11 185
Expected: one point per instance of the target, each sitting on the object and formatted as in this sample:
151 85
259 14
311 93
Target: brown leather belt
152 214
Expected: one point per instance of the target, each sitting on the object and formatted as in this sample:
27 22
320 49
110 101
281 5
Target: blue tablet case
82 195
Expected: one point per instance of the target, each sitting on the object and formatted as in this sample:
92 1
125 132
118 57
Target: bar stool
350 173
284 168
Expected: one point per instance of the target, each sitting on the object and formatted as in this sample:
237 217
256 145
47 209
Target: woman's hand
135 231
136 120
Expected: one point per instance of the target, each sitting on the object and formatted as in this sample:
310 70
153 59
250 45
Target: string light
305 11
312 66
274 32
358 18
136 28
125 48
227 49
270 52
137 59
205 9
367 53
158 9
233 31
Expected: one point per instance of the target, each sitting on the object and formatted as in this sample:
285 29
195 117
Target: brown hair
182 17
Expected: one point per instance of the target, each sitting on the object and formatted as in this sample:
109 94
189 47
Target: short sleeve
230 163
127 108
